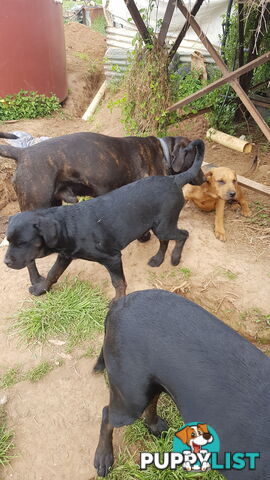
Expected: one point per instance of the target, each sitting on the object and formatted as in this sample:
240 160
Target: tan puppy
221 186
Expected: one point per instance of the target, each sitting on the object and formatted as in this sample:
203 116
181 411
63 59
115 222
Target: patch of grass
261 214
99 25
6 440
256 315
186 272
75 310
138 437
90 352
36 373
10 377
226 273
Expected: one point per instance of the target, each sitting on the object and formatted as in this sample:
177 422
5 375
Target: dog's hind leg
181 237
44 285
115 268
158 259
104 453
154 423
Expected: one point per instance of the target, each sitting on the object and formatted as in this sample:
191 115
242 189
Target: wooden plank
184 30
220 63
166 21
136 16
247 183
226 78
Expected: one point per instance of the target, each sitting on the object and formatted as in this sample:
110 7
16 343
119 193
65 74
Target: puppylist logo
196 447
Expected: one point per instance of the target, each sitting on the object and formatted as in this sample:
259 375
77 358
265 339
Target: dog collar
166 152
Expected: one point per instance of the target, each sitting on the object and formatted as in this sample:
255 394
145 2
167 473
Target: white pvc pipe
93 105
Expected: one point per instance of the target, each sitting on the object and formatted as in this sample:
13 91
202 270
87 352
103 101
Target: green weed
27 105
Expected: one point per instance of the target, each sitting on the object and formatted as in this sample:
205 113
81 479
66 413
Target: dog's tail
186 177
12 136
8 151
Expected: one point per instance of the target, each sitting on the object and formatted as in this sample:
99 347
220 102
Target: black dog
99 229
90 164
157 341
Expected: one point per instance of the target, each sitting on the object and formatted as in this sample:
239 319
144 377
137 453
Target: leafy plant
27 105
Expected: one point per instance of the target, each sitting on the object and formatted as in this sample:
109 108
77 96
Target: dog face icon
195 436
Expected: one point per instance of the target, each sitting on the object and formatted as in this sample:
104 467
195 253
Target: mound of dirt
85 51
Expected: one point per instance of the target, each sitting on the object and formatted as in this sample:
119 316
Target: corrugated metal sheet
119 41
121 32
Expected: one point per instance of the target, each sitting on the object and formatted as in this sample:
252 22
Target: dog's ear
178 158
182 435
203 427
48 230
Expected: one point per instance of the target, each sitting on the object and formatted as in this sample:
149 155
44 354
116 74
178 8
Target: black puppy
157 341
99 229
92 164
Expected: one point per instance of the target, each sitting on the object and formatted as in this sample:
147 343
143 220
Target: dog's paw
156 261
145 238
175 259
103 462
245 212
38 288
220 235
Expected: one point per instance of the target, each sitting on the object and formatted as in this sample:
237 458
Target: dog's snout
7 261
232 194
206 436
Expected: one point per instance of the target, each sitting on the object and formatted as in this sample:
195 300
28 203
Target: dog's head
223 182
195 436
30 235
181 160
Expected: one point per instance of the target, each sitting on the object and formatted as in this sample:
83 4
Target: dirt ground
56 421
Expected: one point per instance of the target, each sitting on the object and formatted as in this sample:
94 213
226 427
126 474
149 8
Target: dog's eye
221 182
234 181
193 434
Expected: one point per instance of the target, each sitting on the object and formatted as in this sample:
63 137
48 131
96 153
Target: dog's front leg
245 211
104 452
44 284
219 220
34 275
115 268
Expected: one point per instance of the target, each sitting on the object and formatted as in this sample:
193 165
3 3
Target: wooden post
184 30
227 78
166 22
136 16
220 63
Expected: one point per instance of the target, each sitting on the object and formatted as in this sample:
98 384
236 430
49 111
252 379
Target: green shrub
27 105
